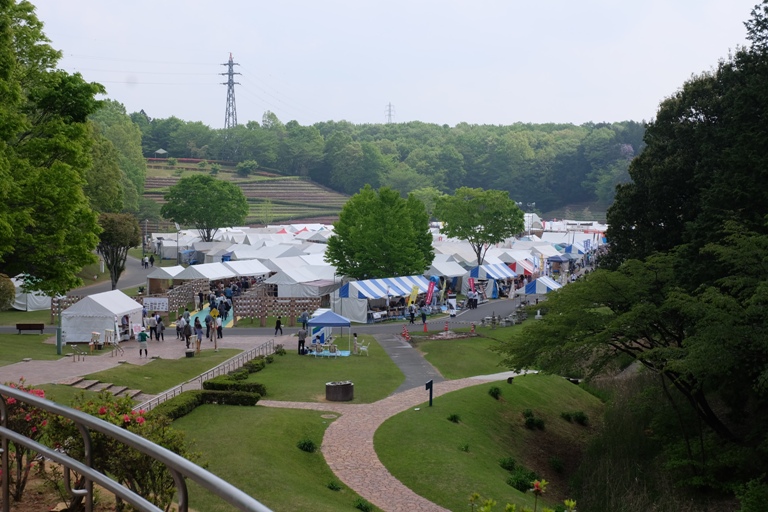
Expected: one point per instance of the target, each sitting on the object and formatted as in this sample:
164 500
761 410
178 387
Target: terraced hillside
271 199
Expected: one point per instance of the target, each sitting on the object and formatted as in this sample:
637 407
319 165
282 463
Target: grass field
302 378
15 347
14 316
460 358
446 462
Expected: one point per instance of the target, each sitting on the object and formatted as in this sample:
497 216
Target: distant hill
272 198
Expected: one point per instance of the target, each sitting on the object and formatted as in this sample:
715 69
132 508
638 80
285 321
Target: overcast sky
437 61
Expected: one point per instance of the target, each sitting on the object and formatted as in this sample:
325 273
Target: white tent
29 301
307 281
96 313
209 271
247 267
157 280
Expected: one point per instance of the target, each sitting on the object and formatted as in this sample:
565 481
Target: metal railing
230 364
179 467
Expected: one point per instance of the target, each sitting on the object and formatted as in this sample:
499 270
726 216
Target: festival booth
160 279
209 271
540 286
367 301
559 263
486 277
247 268
322 326
308 281
28 301
98 313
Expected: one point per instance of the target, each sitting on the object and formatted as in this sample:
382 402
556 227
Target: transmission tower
230 119
390 112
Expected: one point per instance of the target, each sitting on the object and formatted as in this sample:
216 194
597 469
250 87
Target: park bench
30 327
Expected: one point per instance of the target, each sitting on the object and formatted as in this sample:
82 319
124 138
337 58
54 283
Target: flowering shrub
29 422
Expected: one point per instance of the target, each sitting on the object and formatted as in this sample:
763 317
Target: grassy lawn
15 347
14 316
456 459
162 374
460 358
302 378
254 448
64 395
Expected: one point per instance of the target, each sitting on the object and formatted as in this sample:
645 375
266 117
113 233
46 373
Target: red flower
11 401
34 429
102 410
126 418
140 420
44 423
28 417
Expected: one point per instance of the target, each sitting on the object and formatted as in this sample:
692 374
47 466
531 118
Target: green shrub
178 406
567 416
454 418
280 350
230 397
580 418
361 504
464 447
270 359
556 463
522 479
539 423
530 423
240 374
527 413
226 383
305 444
334 485
255 365
495 392
508 463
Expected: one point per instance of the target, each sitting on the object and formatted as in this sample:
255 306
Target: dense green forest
552 165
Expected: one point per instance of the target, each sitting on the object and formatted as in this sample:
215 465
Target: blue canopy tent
352 298
331 319
491 272
541 286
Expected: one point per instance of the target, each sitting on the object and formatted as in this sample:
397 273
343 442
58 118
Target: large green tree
205 203
120 232
481 217
380 234
47 228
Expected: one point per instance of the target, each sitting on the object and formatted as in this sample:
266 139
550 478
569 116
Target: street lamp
144 240
177 242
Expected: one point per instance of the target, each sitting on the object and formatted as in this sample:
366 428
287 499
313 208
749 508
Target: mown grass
64 395
162 374
425 451
302 378
460 358
16 347
254 448
14 316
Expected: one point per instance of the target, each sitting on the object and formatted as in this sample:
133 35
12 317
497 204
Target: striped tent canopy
381 288
492 271
542 285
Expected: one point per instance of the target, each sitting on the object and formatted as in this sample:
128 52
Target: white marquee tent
29 301
96 313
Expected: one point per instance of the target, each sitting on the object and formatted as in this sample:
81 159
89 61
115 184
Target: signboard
430 291
156 303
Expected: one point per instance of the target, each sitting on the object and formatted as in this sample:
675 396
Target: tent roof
210 271
329 319
247 267
165 272
383 288
112 303
446 268
497 271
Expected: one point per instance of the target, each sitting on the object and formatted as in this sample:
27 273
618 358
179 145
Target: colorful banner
442 291
430 292
414 294
471 283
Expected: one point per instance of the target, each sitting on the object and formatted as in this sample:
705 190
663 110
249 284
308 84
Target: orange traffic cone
446 327
473 327
425 327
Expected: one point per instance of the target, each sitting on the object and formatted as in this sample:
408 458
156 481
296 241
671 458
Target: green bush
255 365
305 444
495 392
334 485
508 463
178 406
270 359
522 479
280 350
240 374
539 423
226 383
361 504
230 397
567 416
527 413
464 447
580 418
530 423
454 418
556 463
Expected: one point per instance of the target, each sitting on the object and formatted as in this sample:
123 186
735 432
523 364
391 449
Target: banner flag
414 294
471 282
430 291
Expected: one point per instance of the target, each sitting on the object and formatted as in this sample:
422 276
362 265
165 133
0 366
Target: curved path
348 443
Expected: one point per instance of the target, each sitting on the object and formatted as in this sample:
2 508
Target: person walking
424 315
146 262
152 324
411 313
180 325
187 333
152 260
219 327
160 334
143 342
208 324
200 300
302 334
279 325
304 319
198 334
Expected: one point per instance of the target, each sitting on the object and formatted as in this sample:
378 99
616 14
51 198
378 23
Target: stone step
85 384
116 390
101 386
130 393
71 381
141 398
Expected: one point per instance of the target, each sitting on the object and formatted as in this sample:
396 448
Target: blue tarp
383 288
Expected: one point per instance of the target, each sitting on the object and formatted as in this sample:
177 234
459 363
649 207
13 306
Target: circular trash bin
190 352
342 391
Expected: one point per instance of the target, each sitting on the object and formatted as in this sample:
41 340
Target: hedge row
188 401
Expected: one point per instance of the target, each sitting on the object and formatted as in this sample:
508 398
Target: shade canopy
329 319
383 288
542 285
492 271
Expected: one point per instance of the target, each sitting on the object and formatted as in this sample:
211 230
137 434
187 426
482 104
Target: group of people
148 261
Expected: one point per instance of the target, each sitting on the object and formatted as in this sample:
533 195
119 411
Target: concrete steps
97 386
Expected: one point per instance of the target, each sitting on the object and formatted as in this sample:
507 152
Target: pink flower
34 429
140 420
142 411
102 410
126 418
28 417
11 401
44 423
